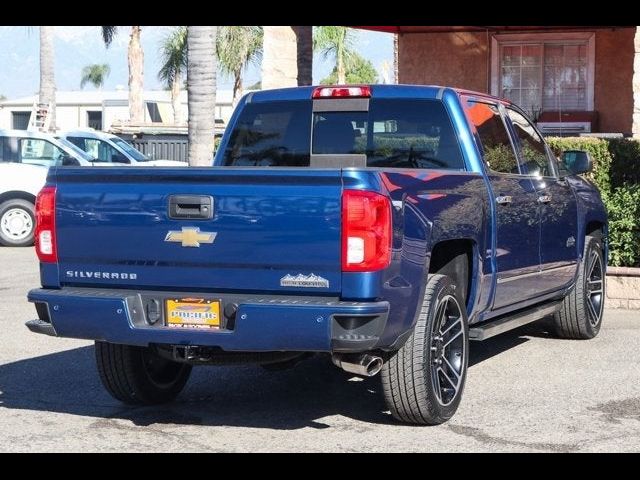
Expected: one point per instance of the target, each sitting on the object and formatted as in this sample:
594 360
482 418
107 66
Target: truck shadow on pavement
247 395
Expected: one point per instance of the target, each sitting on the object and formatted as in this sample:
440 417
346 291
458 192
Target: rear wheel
17 223
138 375
423 381
580 316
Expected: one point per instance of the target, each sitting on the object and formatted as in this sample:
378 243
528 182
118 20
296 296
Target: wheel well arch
595 228
17 194
455 258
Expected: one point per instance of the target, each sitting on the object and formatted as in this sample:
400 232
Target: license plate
193 313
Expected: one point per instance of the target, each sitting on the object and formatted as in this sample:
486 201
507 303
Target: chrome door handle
544 198
503 199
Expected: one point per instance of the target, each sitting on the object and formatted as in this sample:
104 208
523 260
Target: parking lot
525 392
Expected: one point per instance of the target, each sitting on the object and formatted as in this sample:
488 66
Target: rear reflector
45 233
366 231
338 92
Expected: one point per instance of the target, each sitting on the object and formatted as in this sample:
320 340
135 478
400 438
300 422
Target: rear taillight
45 235
366 231
338 92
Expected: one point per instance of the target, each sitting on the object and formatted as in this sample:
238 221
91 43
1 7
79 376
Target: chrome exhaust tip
359 364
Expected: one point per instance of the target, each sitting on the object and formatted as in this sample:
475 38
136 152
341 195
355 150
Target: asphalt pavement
526 392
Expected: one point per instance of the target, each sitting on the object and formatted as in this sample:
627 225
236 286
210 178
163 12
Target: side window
78 142
38 151
497 148
110 153
98 149
1 149
532 147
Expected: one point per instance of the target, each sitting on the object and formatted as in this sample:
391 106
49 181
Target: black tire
580 316
23 214
413 382
138 375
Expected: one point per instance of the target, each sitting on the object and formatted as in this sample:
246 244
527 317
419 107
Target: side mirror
69 161
577 161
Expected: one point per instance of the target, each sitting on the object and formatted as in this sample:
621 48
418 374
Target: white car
25 158
108 148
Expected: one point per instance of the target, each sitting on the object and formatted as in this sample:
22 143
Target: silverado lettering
386 226
101 275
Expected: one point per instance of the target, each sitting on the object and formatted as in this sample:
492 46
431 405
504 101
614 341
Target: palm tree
395 58
336 42
201 89
47 92
237 47
135 57
95 74
304 39
173 51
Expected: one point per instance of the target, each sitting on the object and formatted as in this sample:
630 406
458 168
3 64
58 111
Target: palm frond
173 52
238 47
108 34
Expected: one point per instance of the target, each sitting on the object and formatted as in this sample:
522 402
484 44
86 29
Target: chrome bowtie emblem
190 236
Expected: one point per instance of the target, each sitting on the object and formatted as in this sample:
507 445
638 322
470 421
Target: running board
509 322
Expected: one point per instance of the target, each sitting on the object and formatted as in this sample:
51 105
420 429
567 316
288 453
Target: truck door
517 241
556 204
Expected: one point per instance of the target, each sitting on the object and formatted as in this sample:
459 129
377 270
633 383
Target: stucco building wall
463 59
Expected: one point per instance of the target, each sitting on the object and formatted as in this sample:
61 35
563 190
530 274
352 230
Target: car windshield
130 150
76 151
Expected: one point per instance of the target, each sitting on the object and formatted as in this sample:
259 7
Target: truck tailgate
272 230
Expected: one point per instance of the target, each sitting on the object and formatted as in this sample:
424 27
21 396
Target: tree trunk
201 89
340 65
237 88
175 100
279 57
304 39
47 92
395 58
136 77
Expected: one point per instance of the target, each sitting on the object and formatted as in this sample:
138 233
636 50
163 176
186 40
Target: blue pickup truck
385 226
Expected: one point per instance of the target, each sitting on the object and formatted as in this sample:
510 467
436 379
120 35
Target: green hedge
617 175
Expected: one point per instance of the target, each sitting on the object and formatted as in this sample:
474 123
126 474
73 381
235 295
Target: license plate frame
193 312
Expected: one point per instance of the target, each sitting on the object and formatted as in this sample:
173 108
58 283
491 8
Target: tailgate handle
191 207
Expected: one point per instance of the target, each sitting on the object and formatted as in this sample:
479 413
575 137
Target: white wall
72 117
67 117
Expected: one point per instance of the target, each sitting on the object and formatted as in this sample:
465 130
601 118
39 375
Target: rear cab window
393 133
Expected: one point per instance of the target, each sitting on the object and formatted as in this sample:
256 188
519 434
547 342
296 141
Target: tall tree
47 92
337 43
201 89
395 58
135 58
357 70
279 57
237 47
95 74
173 51
304 39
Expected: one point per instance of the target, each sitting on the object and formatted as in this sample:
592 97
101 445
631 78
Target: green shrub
625 161
617 175
623 206
599 150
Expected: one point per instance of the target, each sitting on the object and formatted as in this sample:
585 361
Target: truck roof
377 91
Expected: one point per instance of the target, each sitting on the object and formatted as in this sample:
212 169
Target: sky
76 47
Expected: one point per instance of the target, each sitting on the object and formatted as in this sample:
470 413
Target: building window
20 120
154 112
94 120
544 71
